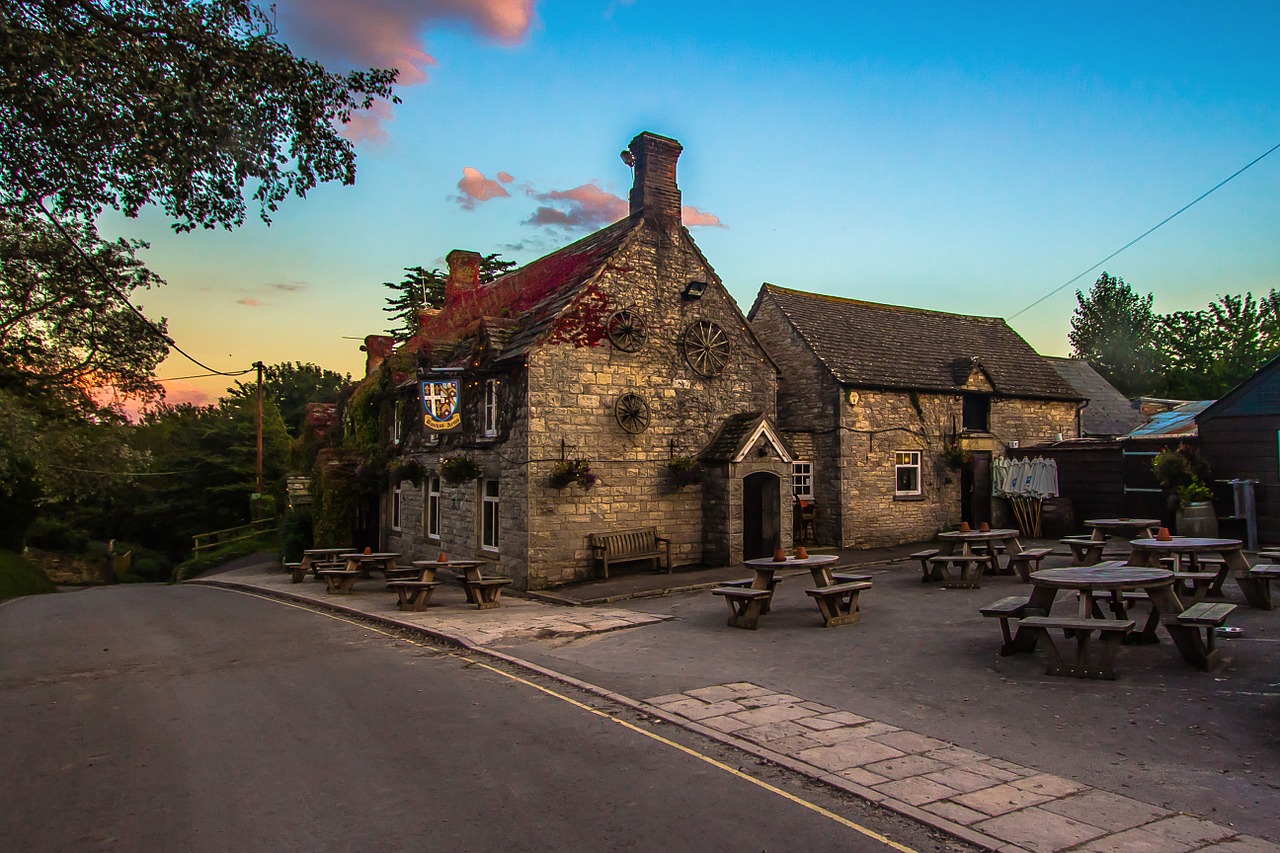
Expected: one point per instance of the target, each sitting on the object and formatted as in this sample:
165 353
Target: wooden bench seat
1256 585
413 595
745 605
1194 584
748 583
1009 607
929 571
1088 662
1210 616
971 569
849 577
485 593
339 580
297 571
1022 563
838 603
1084 550
629 546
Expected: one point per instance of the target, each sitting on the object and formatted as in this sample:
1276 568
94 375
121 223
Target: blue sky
923 154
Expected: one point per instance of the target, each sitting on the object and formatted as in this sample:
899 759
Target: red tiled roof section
888 346
532 295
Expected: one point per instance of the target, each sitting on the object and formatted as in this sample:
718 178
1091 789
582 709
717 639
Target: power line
204 375
1162 222
93 265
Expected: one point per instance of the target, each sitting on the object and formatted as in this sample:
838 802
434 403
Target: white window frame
908 460
396 412
431 507
490 408
397 508
490 515
802 480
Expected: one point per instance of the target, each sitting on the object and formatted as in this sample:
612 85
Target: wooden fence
218 538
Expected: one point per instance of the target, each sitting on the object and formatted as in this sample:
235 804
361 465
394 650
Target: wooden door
975 489
761 515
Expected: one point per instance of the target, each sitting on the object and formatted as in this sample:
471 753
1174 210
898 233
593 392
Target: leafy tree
291 386
1209 352
181 103
64 326
1114 329
422 288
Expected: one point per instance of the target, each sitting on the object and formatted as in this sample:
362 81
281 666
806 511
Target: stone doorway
761 515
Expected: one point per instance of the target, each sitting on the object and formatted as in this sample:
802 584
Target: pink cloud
368 125
250 302
695 218
388 33
477 189
581 208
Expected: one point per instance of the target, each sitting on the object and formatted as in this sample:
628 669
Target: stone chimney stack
376 349
655 192
464 274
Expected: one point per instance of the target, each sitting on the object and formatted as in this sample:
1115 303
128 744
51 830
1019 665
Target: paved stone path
985 800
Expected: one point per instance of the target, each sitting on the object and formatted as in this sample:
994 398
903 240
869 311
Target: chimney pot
464 274
655 192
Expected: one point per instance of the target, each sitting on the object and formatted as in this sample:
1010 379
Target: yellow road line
720 765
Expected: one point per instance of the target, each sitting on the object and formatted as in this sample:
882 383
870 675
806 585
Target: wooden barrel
1197 519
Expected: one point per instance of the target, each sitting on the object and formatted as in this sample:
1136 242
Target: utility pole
258 487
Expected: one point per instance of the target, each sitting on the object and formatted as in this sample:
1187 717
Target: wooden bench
971 568
1022 562
413 595
747 583
485 593
339 580
1210 616
838 603
297 571
628 546
1194 584
745 605
1084 550
848 577
930 573
1086 663
1256 585
1009 607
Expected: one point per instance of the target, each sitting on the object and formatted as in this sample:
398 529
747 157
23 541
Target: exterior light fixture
694 290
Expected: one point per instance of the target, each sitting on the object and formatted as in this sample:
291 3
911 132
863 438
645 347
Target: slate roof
1175 423
867 344
728 441
1109 412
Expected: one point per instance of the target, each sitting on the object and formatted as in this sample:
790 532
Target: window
802 480
395 507
906 473
395 423
491 407
431 507
489 515
977 412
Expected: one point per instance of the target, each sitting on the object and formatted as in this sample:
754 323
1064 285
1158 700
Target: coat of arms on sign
440 404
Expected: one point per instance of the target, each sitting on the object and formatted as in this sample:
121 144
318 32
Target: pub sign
441 409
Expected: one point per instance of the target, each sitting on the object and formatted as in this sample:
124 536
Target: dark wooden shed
1240 435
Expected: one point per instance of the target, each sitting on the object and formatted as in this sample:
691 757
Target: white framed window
906 473
396 505
431 507
397 412
491 407
802 480
489 506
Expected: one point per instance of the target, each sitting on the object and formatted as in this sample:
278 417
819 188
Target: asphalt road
153 718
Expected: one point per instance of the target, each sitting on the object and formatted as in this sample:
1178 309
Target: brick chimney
655 192
376 349
464 274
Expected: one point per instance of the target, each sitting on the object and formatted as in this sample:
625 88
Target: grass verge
20 576
268 541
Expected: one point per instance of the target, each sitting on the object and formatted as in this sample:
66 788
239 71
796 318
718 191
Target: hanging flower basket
408 469
955 455
459 469
685 471
569 471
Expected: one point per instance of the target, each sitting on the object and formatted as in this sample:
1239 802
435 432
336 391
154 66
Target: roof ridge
775 288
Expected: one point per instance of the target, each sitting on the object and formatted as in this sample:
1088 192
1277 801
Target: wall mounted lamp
694 290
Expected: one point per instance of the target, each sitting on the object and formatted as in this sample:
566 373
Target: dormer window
490 408
977 412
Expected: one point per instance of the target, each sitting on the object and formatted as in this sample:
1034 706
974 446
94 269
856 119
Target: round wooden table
1090 578
815 563
949 542
1129 527
1147 552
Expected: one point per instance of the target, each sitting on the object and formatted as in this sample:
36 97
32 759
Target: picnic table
1116 579
972 551
484 592
1147 552
1087 550
364 563
322 555
749 600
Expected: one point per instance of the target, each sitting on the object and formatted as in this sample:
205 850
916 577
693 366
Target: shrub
54 534
19 576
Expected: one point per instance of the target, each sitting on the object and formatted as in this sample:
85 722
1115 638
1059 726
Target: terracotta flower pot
368 550
443 558
802 553
779 556
1163 534
964 527
984 528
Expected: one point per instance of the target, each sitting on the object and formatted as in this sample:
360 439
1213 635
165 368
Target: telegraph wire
93 265
1153 228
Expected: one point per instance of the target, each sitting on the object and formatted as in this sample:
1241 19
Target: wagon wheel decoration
626 330
632 413
706 348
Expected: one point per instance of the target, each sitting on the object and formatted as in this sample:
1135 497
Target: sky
968 158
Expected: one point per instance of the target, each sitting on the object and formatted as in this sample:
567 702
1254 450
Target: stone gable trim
766 430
